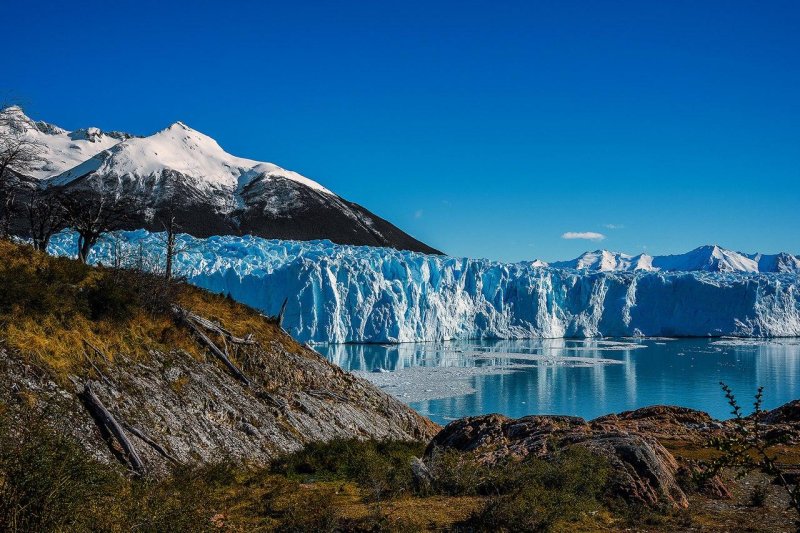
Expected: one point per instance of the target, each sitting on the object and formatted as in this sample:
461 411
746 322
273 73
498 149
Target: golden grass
44 316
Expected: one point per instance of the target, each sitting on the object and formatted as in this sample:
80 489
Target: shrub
382 468
749 449
456 473
536 494
47 482
184 501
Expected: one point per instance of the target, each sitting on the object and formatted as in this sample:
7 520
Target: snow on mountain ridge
607 261
68 155
708 258
62 149
181 149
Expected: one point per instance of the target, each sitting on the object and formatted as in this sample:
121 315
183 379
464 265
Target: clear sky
486 129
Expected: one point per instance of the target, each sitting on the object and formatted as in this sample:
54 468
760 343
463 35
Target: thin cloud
586 235
613 226
419 213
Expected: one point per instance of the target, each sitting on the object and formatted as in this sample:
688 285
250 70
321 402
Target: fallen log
216 328
104 417
219 354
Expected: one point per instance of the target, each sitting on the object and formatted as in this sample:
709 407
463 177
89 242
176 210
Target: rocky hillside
148 373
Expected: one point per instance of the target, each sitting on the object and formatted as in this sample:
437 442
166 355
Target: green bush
183 501
459 474
382 468
47 482
536 494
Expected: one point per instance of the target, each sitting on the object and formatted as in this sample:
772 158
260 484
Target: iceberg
337 293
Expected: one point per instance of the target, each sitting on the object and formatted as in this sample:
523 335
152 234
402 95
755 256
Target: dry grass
46 313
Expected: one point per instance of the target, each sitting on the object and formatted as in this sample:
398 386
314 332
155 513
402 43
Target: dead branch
104 417
282 311
326 395
183 319
217 328
96 369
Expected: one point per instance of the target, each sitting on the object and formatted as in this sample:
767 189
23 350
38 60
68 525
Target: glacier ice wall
361 294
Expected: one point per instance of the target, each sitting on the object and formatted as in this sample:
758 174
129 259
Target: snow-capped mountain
781 262
210 191
61 149
606 261
709 258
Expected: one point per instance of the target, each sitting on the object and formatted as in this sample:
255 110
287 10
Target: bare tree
170 225
169 222
91 213
8 199
46 216
18 154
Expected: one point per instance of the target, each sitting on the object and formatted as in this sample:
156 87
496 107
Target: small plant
747 449
456 473
758 496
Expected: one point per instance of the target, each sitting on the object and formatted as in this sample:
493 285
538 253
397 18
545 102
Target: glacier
338 293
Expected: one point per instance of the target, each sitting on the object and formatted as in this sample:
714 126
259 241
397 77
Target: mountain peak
708 258
178 125
15 110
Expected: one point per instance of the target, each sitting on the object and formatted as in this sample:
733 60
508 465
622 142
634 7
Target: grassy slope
50 306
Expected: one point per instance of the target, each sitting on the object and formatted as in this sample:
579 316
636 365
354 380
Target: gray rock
197 411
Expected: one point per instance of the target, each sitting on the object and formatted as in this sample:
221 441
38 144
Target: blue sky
487 129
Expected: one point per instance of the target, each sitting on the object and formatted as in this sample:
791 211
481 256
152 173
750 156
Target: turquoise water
559 376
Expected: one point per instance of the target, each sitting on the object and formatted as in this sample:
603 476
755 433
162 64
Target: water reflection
560 376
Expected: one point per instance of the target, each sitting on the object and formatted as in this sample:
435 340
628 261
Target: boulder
643 471
664 422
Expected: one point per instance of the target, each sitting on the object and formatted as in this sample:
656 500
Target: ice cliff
362 294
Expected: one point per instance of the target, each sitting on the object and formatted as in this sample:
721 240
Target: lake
587 378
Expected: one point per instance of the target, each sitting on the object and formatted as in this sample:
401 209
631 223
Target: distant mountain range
708 258
211 191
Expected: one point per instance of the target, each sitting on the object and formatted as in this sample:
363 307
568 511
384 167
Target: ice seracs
366 294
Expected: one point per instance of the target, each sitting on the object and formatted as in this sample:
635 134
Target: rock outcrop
665 422
196 411
643 471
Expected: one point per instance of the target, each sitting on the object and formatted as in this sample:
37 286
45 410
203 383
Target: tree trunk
238 374
170 254
104 417
85 244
